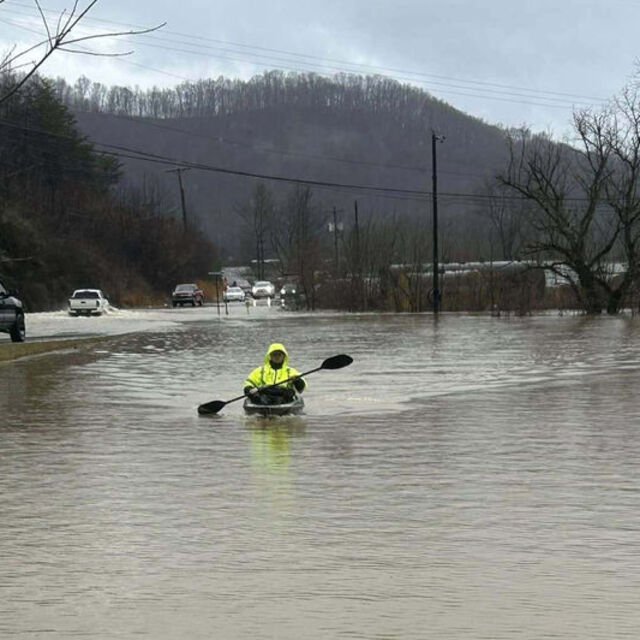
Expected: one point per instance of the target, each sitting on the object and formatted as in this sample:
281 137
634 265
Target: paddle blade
209 408
337 362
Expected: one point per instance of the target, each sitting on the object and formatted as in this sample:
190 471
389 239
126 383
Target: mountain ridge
305 137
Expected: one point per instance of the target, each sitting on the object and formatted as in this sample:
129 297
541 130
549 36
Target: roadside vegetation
568 210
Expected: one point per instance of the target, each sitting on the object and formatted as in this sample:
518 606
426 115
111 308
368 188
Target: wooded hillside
347 130
65 221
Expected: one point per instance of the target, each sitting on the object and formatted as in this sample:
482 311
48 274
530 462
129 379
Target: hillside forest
67 222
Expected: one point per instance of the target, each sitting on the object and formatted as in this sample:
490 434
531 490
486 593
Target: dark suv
291 297
12 314
187 294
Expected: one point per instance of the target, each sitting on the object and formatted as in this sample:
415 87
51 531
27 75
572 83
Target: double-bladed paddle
335 362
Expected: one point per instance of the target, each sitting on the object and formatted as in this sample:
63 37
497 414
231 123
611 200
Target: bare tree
567 185
59 38
587 200
296 239
623 191
370 250
506 220
258 216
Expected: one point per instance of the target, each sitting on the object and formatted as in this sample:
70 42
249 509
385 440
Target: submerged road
465 478
51 331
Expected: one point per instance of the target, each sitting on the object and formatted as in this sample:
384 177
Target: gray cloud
532 48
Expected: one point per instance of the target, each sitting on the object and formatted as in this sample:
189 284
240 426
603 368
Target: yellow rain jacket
266 374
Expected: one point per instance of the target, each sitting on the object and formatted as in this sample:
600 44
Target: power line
428 84
276 151
353 68
136 154
154 158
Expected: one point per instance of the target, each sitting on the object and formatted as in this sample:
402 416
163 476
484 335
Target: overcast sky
508 62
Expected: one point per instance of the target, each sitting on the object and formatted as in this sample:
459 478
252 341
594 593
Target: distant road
54 330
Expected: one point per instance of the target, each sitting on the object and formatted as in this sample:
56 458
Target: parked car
187 294
88 302
245 285
263 289
233 293
12 314
291 297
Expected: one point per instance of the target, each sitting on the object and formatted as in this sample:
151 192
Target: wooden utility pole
362 294
179 171
436 288
335 241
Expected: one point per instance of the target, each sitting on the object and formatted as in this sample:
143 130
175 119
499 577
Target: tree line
354 261
271 90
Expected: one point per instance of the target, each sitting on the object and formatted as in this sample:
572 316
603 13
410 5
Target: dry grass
209 289
140 299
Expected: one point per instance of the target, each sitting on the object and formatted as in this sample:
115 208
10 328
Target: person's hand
250 391
274 391
288 395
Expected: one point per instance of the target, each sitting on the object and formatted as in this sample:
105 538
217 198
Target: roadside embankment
15 350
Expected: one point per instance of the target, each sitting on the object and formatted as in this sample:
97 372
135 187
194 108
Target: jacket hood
277 346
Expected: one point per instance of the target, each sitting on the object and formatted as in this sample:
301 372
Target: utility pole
184 208
357 231
335 241
436 288
361 290
218 275
260 249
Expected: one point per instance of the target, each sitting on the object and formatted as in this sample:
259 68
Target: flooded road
468 478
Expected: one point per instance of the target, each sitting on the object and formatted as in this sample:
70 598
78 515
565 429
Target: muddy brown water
470 478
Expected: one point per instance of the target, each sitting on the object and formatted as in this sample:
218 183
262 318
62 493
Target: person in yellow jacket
275 369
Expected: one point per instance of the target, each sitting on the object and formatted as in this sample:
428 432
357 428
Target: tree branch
59 40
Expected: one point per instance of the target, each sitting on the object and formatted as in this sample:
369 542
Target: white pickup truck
87 302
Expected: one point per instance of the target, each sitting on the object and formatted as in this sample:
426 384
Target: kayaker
275 369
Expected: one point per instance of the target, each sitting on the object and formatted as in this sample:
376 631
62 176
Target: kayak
292 408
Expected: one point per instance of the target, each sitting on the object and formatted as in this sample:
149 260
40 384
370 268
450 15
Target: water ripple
470 478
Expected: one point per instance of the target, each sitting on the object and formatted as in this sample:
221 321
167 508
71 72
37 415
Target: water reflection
271 442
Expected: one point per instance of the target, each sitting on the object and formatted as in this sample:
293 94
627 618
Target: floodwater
468 478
